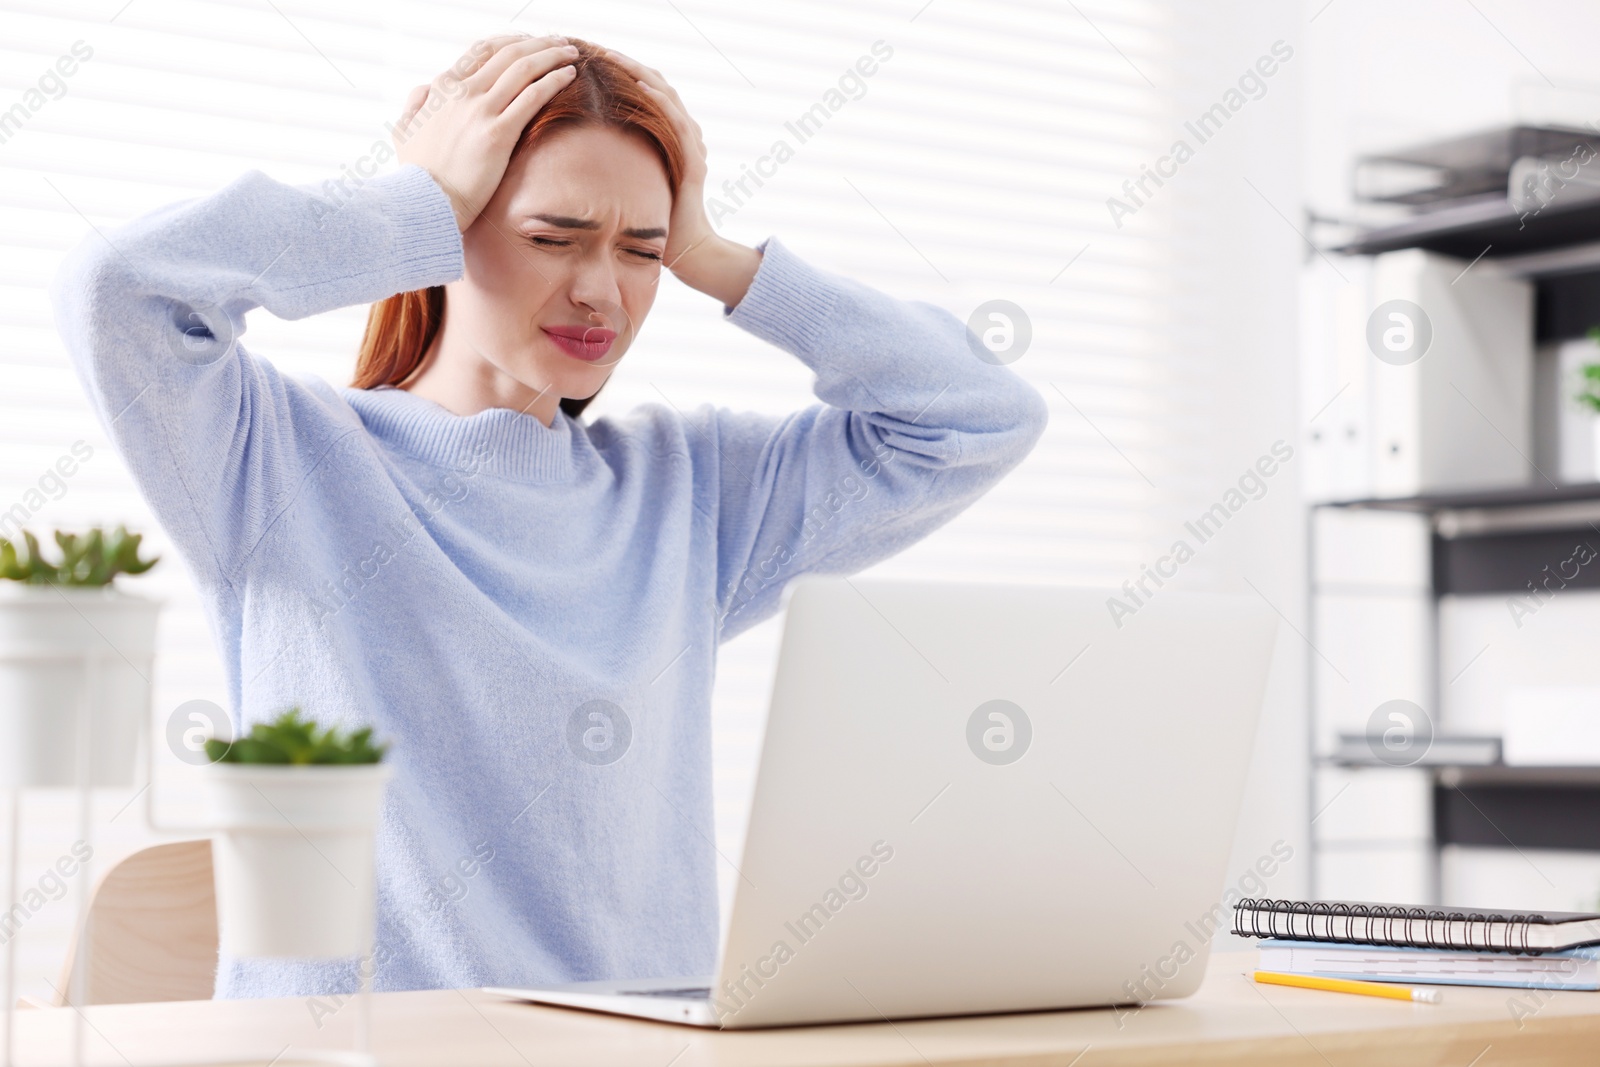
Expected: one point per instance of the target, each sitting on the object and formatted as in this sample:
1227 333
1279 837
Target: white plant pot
46 633
1577 426
294 856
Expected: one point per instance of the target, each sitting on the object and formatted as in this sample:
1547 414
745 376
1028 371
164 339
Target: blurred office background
1175 333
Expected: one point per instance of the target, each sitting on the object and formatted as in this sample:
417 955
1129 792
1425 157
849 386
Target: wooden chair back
152 929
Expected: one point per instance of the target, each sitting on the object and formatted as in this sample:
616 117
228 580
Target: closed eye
558 242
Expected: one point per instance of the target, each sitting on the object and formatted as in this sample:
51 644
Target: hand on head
690 228
462 126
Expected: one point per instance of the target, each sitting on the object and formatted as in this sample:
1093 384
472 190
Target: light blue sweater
473 585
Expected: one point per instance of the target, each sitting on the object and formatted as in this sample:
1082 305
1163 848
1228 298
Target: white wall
1390 72
1236 316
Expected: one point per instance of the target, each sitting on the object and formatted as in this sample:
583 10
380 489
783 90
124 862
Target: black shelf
1514 561
1478 775
1497 806
1473 563
1510 497
1465 230
1553 813
1500 774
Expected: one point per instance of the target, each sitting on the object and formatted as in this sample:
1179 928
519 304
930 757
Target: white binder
1459 415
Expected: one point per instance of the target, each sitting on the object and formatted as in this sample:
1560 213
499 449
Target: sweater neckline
498 441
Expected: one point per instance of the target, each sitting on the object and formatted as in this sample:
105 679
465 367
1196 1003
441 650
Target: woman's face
563 263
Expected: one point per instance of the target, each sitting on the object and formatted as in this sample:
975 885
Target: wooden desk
1230 1021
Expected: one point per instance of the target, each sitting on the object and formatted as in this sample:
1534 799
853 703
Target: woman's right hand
462 126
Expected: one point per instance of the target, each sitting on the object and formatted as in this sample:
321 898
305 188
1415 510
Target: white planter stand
75 669
295 858
294 853
90 663
59 693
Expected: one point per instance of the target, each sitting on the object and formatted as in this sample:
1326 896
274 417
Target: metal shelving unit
1492 541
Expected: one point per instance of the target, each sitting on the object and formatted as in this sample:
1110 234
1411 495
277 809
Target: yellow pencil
1347 985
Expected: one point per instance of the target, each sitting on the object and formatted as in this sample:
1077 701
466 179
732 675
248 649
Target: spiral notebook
1364 922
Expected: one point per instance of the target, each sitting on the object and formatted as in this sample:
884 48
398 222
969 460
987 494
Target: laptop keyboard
689 993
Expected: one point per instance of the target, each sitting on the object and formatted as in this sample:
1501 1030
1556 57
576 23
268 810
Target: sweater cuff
788 301
426 239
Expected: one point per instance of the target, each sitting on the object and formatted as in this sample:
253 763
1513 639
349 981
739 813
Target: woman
528 605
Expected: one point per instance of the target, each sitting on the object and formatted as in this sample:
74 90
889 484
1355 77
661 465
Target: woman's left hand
700 257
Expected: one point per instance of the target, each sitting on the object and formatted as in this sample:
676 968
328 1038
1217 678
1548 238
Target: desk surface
1230 1021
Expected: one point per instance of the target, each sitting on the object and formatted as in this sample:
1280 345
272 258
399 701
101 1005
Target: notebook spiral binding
1391 925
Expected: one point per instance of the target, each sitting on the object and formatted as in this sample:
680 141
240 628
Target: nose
594 287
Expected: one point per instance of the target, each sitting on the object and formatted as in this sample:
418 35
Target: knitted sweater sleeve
913 427
152 312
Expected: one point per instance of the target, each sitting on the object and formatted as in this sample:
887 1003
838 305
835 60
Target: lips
587 343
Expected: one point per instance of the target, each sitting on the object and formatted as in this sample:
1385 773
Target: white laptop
976 799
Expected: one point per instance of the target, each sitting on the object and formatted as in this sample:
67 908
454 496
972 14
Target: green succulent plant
88 561
291 739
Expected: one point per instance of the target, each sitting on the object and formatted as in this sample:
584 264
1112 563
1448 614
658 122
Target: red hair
603 94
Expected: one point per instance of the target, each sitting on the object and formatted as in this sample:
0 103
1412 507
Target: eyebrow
567 222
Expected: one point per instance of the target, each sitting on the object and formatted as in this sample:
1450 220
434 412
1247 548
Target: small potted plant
1587 397
295 809
68 634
